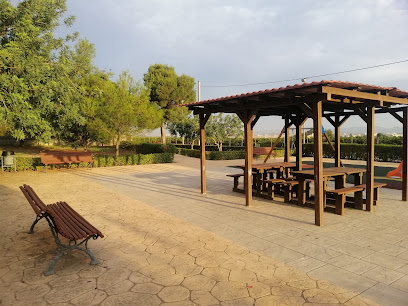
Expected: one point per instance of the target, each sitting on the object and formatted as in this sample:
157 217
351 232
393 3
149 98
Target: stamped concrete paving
150 257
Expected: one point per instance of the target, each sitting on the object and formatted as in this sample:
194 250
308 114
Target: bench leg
235 184
375 195
38 218
287 194
358 199
302 192
307 190
271 190
50 270
340 199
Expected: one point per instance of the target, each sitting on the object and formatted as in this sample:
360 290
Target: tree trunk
117 146
163 134
192 144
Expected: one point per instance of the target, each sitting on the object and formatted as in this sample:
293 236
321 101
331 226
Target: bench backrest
261 151
65 157
38 206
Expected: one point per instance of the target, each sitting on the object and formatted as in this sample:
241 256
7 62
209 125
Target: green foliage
189 152
29 70
220 127
213 155
148 148
188 128
126 108
212 148
225 155
34 163
167 90
384 153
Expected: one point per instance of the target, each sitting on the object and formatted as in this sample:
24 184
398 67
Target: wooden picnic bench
236 177
340 196
63 221
262 151
68 157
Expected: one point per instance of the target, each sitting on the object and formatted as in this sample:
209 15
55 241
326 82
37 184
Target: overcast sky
230 42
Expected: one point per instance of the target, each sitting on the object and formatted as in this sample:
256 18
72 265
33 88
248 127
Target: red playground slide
397 173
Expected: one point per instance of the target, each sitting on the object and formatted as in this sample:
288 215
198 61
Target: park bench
236 178
262 151
340 196
288 189
271 186
63 221
73 157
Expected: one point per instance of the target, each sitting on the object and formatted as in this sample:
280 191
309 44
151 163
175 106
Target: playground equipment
396 173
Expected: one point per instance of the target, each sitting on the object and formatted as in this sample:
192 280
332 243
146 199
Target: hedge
211 147
382 152
148 148
213 155
224 155
34 163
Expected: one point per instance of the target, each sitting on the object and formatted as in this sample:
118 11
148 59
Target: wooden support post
318 162
203 121
370 158
299 147
405 155
247 118
337 160
287 140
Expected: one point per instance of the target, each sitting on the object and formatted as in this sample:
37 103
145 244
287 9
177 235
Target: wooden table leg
340 181
358 178
301 191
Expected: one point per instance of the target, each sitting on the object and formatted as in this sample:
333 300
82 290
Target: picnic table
338 173
260 172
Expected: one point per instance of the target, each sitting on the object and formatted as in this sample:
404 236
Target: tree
188 129
220 127
28 66
167 91
126 109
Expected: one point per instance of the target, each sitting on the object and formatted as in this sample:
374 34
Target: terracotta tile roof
393 91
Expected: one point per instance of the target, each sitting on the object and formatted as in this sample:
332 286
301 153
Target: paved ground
168 244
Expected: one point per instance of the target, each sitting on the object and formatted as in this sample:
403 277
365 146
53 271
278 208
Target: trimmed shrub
34 163
189 152
209 148
225 155
384 153
149 148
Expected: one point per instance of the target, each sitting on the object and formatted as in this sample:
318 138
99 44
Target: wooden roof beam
362 95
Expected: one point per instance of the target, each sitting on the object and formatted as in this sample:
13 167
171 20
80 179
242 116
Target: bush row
34 163
224 155
213 155
148 148
383 153
211 147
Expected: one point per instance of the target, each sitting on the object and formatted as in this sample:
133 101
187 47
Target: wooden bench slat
73 224
235 175
90 230
287 183
261 150
273 181
376 185
65 158
62 227
345 190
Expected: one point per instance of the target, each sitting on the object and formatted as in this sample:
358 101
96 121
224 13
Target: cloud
237 42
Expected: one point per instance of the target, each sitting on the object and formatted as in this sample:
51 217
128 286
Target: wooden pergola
334 100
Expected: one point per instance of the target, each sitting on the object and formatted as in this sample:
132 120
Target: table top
276 165
332 171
